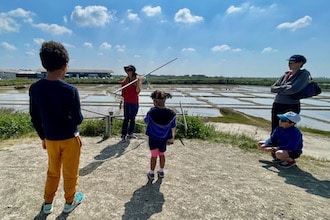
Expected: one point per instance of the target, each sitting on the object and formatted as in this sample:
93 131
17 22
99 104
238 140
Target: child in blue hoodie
286 141
161 124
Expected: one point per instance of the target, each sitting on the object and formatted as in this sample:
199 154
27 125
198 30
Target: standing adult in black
293 80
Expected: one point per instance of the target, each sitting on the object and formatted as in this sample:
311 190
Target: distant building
7 74
41 73
85 73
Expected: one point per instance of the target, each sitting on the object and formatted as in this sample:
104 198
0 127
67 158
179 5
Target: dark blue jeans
130 112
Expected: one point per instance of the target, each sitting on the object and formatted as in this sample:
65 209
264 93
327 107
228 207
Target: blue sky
212 37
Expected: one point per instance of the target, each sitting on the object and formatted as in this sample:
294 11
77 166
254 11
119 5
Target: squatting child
286 141
161 124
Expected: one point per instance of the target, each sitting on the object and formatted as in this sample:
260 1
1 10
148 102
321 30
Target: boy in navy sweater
55 114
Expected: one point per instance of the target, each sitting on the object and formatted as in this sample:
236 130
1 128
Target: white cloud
151 11
268 50
236 50
31 53
221 48
8 25
232 9
120 48
188 50
88 45
105 46
38 41
184 16
68 45
300 23
91 16
251 9
132 16
9 22
20 13
8 46
53 29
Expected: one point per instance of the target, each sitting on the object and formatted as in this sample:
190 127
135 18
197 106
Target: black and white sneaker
286 164
151 176
161 174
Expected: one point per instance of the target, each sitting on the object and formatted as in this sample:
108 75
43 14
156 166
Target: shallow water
197 100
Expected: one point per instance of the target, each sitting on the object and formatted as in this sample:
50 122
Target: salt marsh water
197 100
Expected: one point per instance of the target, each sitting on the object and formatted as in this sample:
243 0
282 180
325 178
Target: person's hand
261 144
43 143
289 86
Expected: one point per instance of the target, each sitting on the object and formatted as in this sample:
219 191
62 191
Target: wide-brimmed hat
130 67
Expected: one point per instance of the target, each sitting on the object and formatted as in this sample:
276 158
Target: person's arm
35 116
270 143
138 84
279 85
76 115
122 84
297 84
147 118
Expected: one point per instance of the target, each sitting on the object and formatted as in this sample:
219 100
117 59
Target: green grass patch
14 124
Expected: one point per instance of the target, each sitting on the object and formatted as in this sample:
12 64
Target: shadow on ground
145 202
110 151
298 177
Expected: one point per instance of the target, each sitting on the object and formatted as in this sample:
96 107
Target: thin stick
143 76
184 119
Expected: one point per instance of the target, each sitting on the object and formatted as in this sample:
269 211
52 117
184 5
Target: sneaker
151 176
78 198
123 139
276 160
131 136
47 208
286 164
170 141
161 174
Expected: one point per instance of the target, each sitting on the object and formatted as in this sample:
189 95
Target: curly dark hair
53 55
159 95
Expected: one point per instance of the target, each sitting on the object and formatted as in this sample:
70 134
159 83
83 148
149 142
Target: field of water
197 100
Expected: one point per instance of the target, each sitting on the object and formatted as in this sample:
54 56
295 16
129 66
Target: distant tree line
173 79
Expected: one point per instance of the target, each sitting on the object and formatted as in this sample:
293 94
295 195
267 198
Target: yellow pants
64 153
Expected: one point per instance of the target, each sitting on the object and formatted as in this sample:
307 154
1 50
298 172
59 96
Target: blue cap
292 116
298 59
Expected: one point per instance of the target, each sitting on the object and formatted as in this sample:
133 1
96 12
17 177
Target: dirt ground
203 181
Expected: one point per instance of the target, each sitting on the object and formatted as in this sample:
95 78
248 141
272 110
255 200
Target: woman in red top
130 95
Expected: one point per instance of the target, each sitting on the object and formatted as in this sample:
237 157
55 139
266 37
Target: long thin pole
128 84
184 119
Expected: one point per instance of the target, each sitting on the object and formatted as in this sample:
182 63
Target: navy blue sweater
55 109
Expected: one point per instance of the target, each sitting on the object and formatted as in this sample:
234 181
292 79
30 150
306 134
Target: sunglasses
128 69
282 120
292 62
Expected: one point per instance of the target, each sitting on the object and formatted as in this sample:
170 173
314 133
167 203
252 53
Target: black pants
279 108
130 112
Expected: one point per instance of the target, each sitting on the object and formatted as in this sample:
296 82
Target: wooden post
107 127
110 122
